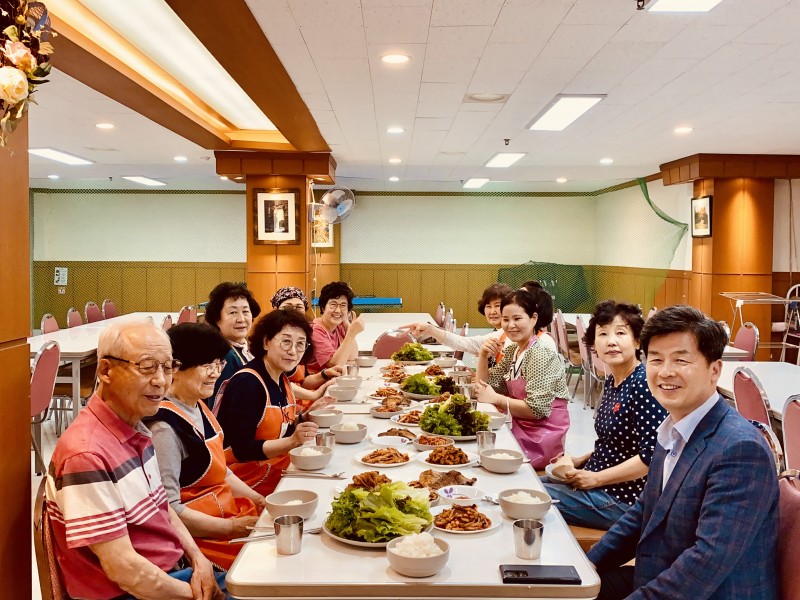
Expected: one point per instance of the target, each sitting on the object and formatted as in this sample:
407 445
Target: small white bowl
384 415
342 394
311 463
349 436
501 465
464 495
277 503
446 362
325 417
426 447
390 441
417 567
519 510
366 361
496 419
349 381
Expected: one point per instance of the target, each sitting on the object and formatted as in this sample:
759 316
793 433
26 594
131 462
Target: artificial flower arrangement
24 59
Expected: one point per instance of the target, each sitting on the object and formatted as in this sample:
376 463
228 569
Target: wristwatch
324 375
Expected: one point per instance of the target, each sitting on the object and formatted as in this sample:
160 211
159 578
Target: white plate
555 478
494 515
419 396
422 457
360 455
385 415
412 362
329 533
455 438
396 419
376 439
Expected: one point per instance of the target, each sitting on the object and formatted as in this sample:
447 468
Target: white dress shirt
673 436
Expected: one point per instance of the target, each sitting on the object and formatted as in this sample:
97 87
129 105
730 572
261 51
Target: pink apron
540 439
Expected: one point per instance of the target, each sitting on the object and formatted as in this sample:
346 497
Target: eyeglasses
215 366
333 306
149 366
287 345
300 307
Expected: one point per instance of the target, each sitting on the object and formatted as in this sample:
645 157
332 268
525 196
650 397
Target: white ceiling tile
449 70
424 124
524 21
454 42
451 93
653 27
509 56
455 13
577 41
397 25
494 82
435 110
592 12
699 40
733 57
317 102
344 70
393 3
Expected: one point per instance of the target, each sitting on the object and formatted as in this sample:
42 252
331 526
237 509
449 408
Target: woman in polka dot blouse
607 481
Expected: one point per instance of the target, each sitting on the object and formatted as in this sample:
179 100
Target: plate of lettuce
454 418
412 354
373 518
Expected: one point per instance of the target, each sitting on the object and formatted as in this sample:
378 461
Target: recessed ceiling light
474 183
395 59
58 156
561 180
563 111
394 129
606 161
179 158
395 160
223 177
144 181
683 5
54 177
105 126
488 98
683 130
504 159
394 178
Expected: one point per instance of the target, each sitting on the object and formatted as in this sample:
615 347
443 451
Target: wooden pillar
271 266
15 459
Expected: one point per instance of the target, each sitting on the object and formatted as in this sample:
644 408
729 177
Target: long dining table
80 343
376 324
328 568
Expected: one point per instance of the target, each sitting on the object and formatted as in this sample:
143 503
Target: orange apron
263 475
210 494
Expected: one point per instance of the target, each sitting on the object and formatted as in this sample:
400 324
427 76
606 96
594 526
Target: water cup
528 538
326 438
288 534
486 440
351 370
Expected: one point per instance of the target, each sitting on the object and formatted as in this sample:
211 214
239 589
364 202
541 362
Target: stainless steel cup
326 438
351 370
528 538
288 534
486 440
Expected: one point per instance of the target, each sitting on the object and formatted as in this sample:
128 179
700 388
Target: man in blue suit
706 523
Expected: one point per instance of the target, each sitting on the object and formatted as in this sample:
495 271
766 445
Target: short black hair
196 344
605 312
334 289
228 290
496 291
524 299
271 324
710 336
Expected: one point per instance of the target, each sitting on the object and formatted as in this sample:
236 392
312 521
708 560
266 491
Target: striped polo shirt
103 483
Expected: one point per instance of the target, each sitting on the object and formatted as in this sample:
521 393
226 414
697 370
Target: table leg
76 387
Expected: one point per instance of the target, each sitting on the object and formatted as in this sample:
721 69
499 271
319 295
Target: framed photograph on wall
321 230
701 217
276 216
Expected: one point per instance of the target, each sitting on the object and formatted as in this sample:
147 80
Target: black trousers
616 584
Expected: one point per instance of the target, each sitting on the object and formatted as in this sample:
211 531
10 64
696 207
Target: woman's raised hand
490 347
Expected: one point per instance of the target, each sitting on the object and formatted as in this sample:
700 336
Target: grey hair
113 339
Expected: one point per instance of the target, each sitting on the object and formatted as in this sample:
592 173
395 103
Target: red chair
774 444
188 314
109 309
74 318
788 549
50 579
791 432
749 396
594 369
166 324
570 361
439 318
747 339
92 312
390 342
449 321
49 324
43 380
459 354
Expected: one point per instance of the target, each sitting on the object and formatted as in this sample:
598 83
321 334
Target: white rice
292 502
504 456
418 545
349 426
310 452
524 498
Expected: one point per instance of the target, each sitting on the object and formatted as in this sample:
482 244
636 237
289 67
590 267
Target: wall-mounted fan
337 204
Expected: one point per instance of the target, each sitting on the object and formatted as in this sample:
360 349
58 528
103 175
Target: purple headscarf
286 293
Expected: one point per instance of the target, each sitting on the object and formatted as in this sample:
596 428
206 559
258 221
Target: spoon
267 536
310 475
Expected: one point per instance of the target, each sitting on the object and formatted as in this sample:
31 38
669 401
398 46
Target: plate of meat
447 457
383 458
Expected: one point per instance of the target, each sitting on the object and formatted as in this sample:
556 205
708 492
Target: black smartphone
556 574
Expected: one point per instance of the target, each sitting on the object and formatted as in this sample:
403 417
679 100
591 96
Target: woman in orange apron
256 407
210 500
528 383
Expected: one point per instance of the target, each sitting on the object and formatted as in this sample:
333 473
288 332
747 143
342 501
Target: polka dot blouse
626 424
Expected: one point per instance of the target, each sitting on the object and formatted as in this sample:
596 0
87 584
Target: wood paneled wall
15 459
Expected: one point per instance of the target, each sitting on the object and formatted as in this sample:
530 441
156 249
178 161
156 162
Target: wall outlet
62 290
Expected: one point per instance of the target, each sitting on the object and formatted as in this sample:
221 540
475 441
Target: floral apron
540 439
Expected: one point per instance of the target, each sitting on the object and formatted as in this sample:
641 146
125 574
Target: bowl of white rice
520 503
325 417
310 458
349 432
418 555
299 503
501 461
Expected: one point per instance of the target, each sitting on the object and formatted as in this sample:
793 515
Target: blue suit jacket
712 532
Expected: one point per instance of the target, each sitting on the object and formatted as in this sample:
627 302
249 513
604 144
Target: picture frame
701 217
321 230
276 216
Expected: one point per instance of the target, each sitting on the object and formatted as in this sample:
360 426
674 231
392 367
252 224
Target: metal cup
528 538
486 440
326 438
288 534
351 370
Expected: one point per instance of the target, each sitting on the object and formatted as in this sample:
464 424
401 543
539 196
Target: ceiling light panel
475 182
58 156
157 32
564 111
504 159
682 5
395 59
145 181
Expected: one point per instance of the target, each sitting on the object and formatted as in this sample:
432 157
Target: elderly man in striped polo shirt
115 534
